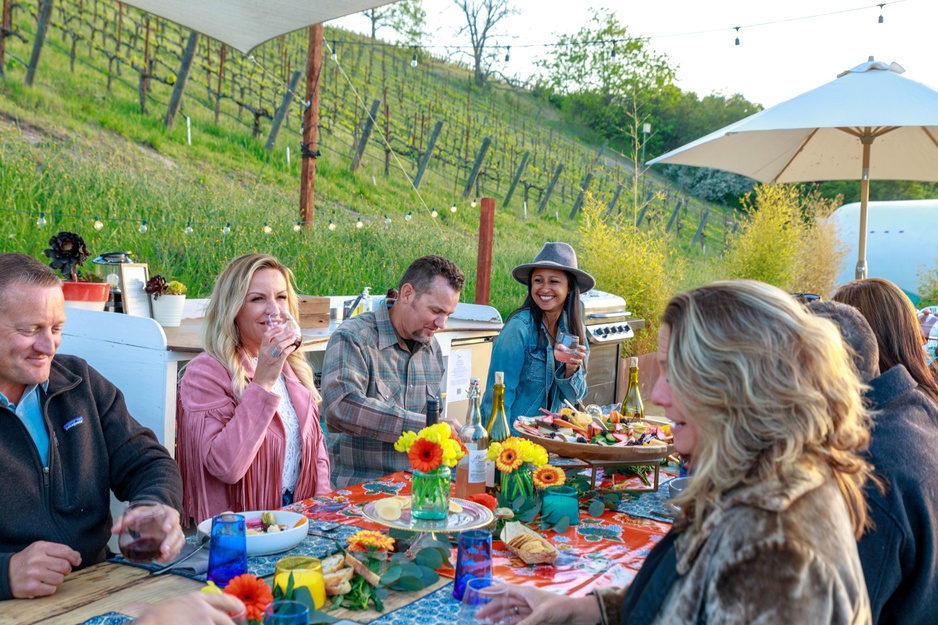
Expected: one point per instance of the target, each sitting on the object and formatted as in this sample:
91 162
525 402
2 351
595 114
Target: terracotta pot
87 295
167 309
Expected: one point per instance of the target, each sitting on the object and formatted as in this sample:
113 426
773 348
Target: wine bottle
632 407
433 411
498 430
470 472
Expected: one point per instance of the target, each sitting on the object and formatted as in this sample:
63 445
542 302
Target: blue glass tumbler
227 555
286 613
559 502
473 559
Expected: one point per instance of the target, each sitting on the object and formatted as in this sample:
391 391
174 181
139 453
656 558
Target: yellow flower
509 459
366 540
494 450
405 442
535 454
451 452
435 433
549 476
210 588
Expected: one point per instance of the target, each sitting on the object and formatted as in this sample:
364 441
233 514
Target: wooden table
110 587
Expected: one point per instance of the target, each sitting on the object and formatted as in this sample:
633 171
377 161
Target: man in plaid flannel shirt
381 367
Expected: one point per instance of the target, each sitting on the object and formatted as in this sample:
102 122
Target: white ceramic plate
266 544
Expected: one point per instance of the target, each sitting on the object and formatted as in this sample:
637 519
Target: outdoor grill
604 315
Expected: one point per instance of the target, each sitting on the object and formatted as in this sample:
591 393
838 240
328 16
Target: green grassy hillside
74 150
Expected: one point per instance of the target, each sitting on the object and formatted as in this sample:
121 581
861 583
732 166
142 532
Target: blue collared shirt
29 411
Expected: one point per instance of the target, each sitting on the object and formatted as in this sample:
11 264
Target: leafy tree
787 241
481 18
406 17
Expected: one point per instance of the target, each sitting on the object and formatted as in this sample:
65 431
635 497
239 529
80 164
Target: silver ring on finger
275 352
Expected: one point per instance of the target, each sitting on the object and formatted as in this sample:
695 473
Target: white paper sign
458 372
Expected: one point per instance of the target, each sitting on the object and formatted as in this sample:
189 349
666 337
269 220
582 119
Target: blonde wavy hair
773 391
220 335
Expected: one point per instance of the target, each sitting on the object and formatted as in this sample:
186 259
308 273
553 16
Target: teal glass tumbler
559 502
430 494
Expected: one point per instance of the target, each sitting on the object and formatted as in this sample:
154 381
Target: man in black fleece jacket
66 440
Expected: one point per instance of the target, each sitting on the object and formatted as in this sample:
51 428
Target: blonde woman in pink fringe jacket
248 413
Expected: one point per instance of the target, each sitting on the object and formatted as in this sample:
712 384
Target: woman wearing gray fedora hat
524 349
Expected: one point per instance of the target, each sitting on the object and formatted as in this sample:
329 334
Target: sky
785 48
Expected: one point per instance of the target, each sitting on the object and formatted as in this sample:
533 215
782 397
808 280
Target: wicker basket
589 451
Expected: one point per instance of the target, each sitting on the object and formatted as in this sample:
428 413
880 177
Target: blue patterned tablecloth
437 608
111 618
261 566
649 505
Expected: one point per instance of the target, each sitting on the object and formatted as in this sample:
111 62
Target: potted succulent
68 251
167 299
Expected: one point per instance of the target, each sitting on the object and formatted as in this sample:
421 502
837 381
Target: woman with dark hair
893 318
524 349
764 396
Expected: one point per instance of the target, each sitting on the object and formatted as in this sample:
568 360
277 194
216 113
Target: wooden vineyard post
550 188
182 77
221 72
484 257
311 125
5 31
282 111
703 222
427 154
579 200
514 182
45 14
366 134
477 166
677 209
612 202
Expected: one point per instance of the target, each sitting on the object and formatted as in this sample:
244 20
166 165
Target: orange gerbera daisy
425 455
365 540
254 593
549 476
484 499
508 459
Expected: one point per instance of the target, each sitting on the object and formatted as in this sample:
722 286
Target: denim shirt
524 353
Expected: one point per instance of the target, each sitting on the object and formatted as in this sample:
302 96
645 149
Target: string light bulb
41 220
331 226
387 220
143 227
267 229
613 53
359 223
413 59
98 224
433 213
189 229
226 229
507 53
297 226
473 202
452 208
335 57
881 11
408 216
737 34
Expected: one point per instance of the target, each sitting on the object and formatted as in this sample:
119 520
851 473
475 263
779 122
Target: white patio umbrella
829 133
246 24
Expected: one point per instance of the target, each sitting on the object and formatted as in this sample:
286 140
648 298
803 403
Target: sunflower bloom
509 459
254 593
425 455
370 541
549 476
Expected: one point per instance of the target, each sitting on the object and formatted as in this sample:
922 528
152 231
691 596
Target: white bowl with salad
268 531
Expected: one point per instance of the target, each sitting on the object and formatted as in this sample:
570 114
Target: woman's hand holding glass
567 349
525 605
282 338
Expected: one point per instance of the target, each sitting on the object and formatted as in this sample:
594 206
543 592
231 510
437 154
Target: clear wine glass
142 533
285 322
565 346
480 592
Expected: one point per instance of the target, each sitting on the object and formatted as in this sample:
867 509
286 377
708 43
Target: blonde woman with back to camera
249 433
765 398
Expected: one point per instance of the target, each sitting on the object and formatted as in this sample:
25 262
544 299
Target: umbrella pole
867 141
